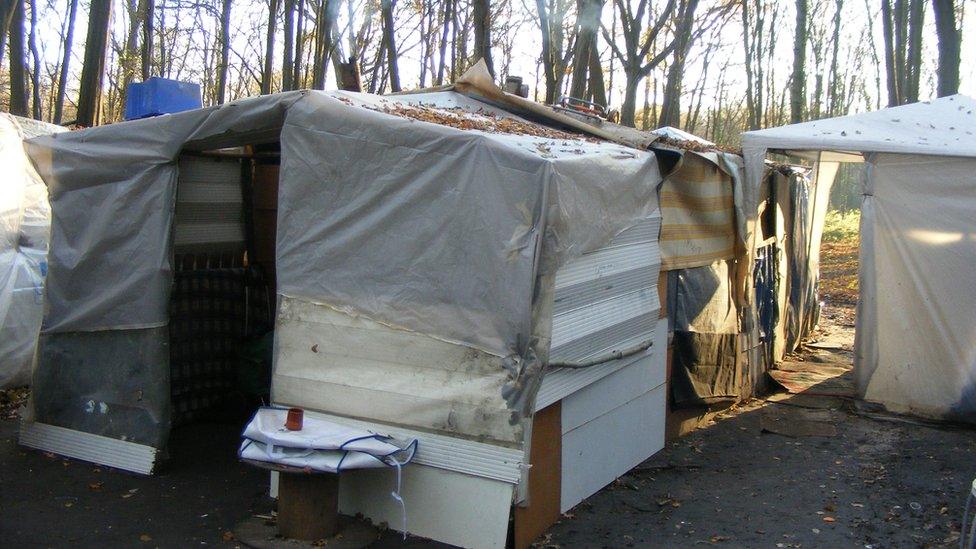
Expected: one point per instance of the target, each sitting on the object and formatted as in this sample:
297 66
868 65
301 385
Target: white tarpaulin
25 220
320 445
915 349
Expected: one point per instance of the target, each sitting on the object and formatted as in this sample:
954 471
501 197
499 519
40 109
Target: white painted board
445 506
595 453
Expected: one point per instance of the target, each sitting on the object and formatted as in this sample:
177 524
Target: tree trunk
916 20
6 16
36 58
589 21
671 108
950 46
389 33
891 68
288 55
548 61
224 51
798 94
93 68
148 11
629 107
324 21
65 61
833 101
597 89
298 78
267 76
481 12
18 63
448 7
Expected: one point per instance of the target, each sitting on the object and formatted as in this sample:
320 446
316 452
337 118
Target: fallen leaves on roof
480 120
693 146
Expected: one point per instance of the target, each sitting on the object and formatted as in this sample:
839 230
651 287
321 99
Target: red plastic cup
295 418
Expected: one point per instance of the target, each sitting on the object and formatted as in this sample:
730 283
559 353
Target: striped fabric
697 213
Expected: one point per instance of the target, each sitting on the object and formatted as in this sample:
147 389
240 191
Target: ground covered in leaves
838 264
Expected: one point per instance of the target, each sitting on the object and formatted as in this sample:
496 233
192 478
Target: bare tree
555 54
685 36
18 62
93 69
636 58
481 13
902 28
588 17
389 41
325 20
65 61
147 11
36 58
225 13
267 74
288 53
7 9
950 45
798 82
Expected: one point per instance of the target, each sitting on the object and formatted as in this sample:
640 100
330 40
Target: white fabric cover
25 220
916 350
320 445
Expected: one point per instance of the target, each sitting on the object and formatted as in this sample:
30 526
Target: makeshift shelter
735 306
25 219
915 346
430 255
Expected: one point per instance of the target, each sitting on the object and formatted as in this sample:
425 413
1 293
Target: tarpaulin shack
25 219
915 344
736 306
441 270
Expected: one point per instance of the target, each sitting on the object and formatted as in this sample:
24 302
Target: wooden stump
308 506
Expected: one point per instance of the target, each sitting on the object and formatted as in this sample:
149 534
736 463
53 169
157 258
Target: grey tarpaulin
415 225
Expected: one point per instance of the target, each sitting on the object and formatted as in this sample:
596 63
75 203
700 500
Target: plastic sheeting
441 231
320 445
916 348
25 219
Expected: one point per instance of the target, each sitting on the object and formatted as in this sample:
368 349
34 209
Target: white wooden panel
445 506
329 361
599 451
610 392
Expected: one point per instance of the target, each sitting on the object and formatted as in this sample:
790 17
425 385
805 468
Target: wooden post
308 506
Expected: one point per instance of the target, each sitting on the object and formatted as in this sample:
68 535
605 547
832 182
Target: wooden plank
542 511
308 505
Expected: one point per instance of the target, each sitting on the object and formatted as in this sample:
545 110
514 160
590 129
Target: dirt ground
801 469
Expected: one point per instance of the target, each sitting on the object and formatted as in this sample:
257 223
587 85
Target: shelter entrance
222 304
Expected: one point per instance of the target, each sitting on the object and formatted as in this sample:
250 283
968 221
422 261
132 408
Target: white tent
915 348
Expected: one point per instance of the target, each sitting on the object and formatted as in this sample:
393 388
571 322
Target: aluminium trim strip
111 452
443 452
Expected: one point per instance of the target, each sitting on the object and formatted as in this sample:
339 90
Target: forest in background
714 68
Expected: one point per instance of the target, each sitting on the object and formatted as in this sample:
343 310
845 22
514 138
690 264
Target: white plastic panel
607 300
